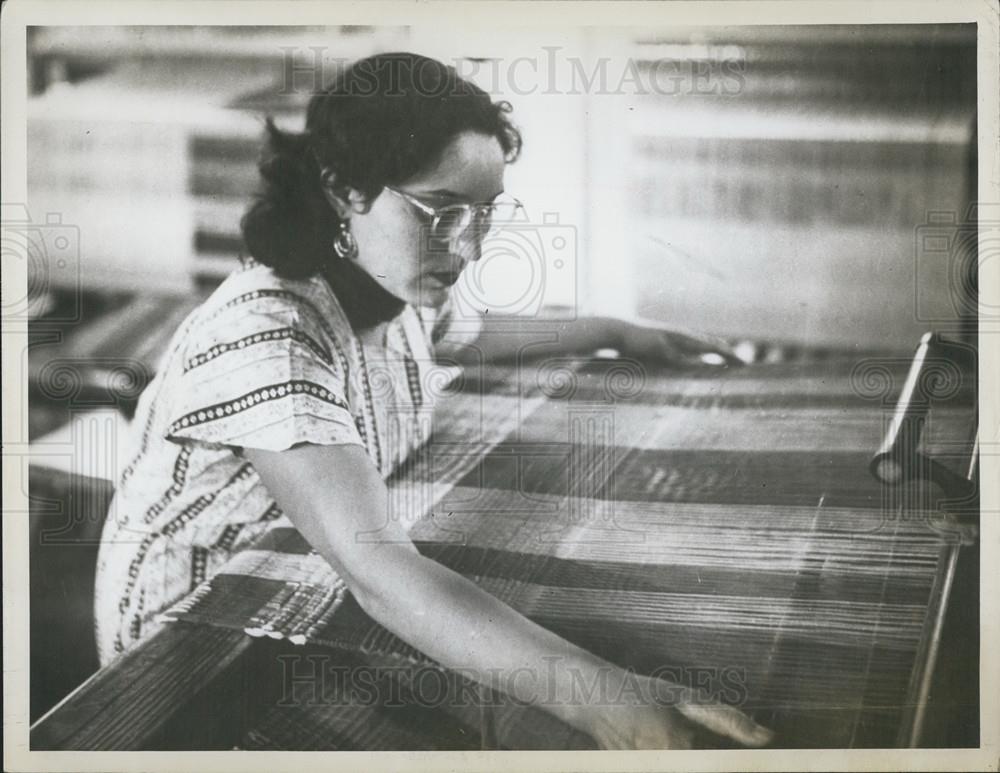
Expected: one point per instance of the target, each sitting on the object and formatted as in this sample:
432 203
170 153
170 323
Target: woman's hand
653 343
663 715
503 339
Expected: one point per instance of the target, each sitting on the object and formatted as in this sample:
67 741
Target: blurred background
794 189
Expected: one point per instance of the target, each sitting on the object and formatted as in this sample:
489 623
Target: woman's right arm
333 494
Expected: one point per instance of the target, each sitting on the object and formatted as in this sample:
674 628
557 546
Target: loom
721 526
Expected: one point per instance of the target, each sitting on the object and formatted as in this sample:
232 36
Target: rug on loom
716 528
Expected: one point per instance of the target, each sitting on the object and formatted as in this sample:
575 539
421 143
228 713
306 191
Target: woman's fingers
680 736
699 345
626 727
670 351
674 347
727 721
653 724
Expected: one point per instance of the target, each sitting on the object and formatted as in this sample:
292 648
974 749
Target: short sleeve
260 378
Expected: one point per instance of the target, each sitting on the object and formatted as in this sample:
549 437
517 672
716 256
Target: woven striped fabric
717 526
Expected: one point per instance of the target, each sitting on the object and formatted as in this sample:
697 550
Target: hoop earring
344 243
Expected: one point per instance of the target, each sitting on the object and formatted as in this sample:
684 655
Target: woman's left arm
510 338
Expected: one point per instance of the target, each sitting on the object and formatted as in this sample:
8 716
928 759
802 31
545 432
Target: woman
263 409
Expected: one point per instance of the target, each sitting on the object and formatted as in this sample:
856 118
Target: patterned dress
265 362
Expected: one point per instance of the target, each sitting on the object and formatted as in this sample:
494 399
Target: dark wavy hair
383 120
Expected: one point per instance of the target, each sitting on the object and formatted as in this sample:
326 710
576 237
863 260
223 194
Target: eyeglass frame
437 213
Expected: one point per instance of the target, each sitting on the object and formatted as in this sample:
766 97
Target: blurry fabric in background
766 182
791 209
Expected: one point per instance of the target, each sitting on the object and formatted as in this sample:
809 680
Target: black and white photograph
460 383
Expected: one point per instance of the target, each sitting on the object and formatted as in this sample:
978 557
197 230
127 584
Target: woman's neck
366 304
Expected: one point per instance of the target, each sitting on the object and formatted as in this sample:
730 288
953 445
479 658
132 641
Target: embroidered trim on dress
177 523
199 565
276 334
290 296
244 402
369 402
179 475
228 537
412 371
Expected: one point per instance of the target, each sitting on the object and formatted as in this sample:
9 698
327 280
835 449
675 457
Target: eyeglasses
456 220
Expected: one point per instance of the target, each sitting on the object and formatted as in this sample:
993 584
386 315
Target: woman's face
394 241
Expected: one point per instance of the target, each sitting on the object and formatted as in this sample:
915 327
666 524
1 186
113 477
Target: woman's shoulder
256 287
253 296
